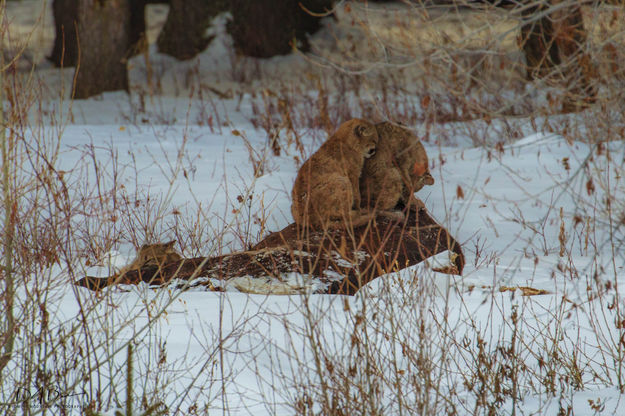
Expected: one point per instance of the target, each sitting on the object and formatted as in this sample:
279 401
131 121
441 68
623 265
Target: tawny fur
399 168
158 254
326 192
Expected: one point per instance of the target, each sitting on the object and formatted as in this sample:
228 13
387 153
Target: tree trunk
265 28
137 37
554 50
65 50
183 35
65 12
103 35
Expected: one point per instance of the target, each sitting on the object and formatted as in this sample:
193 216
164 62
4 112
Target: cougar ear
363 131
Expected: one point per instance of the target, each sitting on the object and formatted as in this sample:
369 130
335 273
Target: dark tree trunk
183 35
541 53
265 28
65 12
103 34
137 37
65 50
554 50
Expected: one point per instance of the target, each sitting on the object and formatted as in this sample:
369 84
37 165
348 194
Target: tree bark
341 261
265 28
65 50
137 37
184 33
554 50
103 36
65 12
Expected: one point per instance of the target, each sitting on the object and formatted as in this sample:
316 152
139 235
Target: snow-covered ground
535 206
516 204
